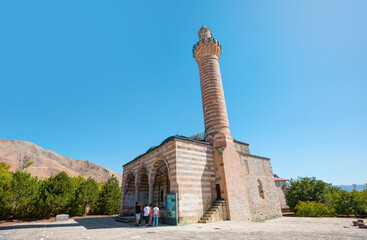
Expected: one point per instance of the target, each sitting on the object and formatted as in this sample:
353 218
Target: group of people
148 212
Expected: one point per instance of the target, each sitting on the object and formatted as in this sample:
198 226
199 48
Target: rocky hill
47 163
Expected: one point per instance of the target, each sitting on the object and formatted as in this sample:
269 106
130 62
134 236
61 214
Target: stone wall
242 147
190 174
261 191
278 185
195 178
149 161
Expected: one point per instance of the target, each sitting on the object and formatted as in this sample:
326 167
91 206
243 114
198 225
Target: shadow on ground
87 223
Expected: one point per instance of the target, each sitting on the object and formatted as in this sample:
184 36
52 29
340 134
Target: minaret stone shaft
207 52
229 175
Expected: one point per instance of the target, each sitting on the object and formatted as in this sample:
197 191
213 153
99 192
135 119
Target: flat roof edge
174 137
241 142
255 156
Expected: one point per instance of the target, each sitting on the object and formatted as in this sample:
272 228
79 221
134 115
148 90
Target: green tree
348 203
43 209
5 186
85 196
109 198
305 189
359 203
57 193
23 194
89 193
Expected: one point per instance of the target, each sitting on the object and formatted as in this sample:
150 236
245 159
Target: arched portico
161 184
149 185
142 185
129 193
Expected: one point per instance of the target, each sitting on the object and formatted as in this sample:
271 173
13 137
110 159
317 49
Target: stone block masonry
204 171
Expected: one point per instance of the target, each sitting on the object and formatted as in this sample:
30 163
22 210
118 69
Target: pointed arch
154 167
141 170
128 192
142 184
130 175
161 181
260 189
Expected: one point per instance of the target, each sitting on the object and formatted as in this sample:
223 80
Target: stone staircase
214 213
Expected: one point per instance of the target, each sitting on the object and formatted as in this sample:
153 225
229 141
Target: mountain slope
47 163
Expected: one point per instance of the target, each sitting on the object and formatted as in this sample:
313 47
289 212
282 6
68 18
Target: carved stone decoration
220 149
206 46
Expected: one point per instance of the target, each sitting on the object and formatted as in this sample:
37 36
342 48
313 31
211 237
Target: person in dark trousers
137 213
146 215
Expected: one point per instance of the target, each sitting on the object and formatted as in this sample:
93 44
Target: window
161 196
260 189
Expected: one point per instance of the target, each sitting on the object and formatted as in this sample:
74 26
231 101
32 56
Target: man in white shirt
146 215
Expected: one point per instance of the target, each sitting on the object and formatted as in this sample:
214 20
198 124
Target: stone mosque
214 176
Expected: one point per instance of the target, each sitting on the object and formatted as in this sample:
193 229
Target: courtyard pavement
108 228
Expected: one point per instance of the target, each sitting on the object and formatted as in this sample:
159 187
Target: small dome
204 32
200 136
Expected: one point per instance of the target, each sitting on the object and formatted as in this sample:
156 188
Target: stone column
122 197
151 185
137 185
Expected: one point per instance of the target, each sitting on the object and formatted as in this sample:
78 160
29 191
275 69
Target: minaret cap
204 32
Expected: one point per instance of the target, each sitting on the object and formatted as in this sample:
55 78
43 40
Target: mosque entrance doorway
217 187
161 187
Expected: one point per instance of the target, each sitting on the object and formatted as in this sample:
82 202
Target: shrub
347 203
313 209
305 189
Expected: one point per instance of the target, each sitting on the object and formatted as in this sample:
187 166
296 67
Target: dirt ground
95 227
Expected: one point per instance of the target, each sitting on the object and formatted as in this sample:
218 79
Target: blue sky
105 80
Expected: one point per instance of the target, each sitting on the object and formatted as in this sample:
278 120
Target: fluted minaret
229 175
207 52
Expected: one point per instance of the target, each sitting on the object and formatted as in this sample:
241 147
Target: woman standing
150 214
155 215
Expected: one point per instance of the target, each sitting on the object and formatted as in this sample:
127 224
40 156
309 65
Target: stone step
211 211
